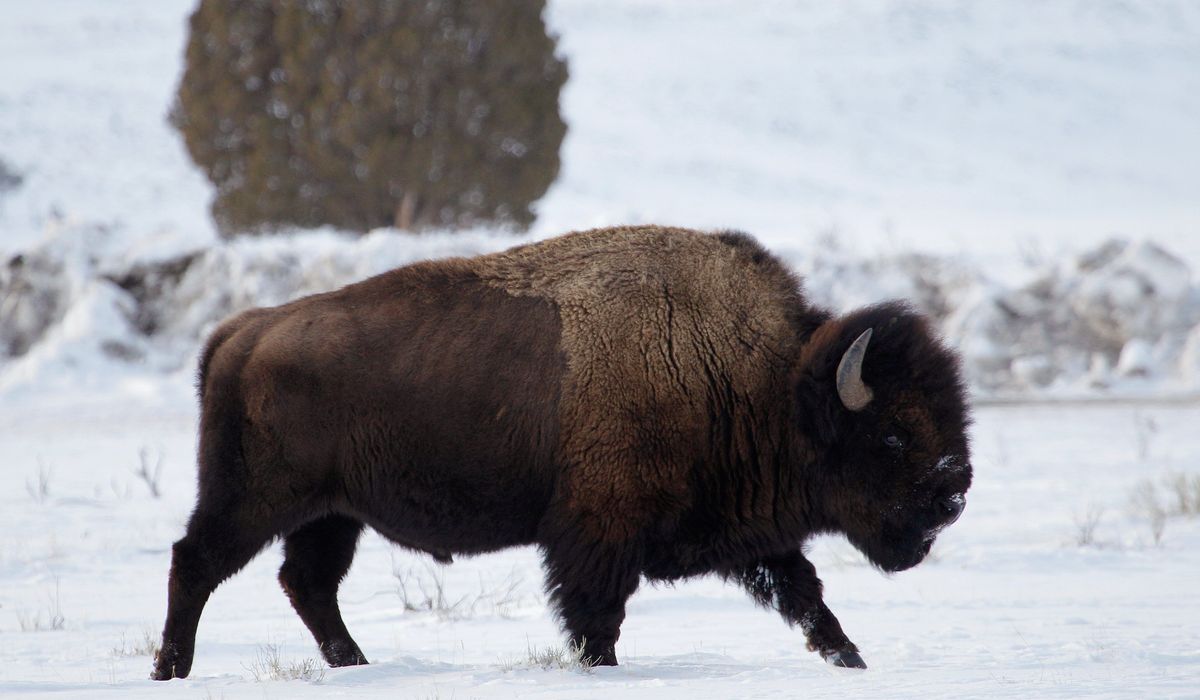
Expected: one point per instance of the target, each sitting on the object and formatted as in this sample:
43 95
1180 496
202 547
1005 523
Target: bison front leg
789 584
589 584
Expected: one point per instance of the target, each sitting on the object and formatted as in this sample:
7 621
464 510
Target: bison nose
950 507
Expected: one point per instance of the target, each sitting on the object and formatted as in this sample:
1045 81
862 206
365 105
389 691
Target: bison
639 403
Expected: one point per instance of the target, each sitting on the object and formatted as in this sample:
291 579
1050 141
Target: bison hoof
168 665
343 653
598 657
593 661
845 658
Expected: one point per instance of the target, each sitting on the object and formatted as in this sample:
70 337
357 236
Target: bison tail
224 332
210 348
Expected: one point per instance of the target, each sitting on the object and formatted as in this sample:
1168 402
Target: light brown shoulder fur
663 328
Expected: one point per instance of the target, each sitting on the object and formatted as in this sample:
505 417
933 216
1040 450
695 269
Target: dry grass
1144 503
1175 495
41 621
146 645
49 619
1183 492
269 665
562 658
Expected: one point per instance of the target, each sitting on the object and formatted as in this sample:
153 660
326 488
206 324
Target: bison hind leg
316 558
212 550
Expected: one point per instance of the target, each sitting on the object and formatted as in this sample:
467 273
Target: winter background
1027 172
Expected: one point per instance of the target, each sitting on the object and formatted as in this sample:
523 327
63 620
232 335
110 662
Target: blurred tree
361 113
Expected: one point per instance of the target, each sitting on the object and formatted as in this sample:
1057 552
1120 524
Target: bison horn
855 394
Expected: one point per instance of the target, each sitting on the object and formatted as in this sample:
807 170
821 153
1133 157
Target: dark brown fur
638 402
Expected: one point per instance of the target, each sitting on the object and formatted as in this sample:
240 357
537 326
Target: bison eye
895 436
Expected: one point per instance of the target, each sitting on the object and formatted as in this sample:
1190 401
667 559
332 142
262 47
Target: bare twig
39 490
424 590
1085 525
150 476
1145 429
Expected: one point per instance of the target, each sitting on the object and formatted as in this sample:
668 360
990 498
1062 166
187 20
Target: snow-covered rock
1124 312
1189 358
1136 359
1127 290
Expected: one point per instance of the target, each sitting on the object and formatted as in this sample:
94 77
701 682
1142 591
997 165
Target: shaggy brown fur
638 402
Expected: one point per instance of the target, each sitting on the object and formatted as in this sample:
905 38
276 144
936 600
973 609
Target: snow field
1010 605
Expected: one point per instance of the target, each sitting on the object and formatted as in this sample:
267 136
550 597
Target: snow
1023 171
945 126
1010 605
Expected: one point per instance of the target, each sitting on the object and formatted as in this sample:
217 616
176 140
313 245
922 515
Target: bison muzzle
639 403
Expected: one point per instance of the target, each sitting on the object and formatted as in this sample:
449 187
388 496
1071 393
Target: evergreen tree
362 113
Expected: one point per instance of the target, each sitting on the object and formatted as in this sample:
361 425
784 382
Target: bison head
884 406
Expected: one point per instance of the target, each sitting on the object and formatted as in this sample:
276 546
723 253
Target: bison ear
819 412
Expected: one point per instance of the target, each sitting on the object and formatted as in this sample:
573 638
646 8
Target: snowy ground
992 134
1011 605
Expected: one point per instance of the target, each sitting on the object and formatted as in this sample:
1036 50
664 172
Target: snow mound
1120 320
1115 319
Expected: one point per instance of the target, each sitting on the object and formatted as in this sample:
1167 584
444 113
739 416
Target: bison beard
637 402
